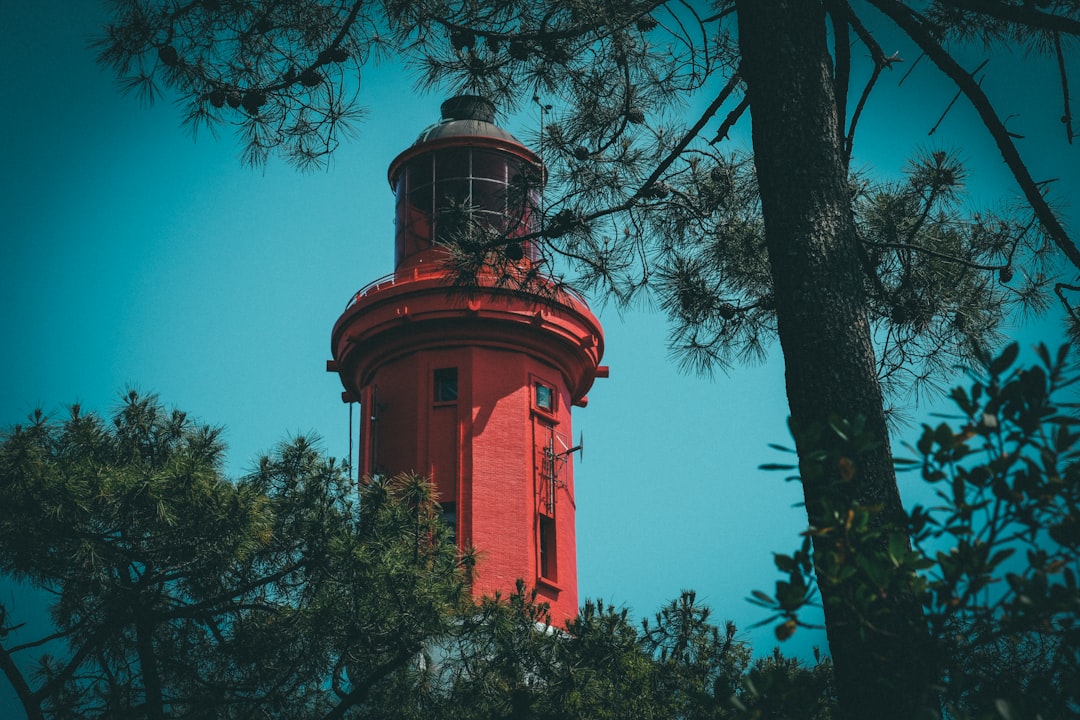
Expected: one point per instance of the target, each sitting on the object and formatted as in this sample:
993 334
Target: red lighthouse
474 389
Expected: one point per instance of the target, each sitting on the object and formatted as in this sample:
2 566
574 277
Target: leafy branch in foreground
995 562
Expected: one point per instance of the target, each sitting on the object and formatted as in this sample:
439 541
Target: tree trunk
822 320
144 640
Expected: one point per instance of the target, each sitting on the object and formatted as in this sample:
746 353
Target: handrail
418 272
373 285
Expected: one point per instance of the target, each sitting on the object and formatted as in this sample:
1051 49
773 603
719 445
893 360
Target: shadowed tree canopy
176 593
861 281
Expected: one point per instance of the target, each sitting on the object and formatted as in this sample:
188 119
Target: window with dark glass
448 514
446 387
545 396
547 548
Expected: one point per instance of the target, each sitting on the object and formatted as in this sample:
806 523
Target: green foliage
511 664
290 593
941 276
994 562
780 688
698 666
175 592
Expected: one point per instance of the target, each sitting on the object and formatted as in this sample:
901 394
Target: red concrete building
474 389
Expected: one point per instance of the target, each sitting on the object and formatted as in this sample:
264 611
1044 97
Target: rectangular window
448 514
545 397
547 549
446 389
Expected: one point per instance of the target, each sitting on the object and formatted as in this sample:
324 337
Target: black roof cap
468 107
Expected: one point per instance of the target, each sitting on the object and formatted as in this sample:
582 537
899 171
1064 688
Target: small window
545 397
446 385
448 514
547 548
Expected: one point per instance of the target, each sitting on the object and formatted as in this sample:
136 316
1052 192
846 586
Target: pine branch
90 646
732 83
45 640
934 253
918 32
361 690
1026 14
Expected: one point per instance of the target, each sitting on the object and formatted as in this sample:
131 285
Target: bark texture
822 319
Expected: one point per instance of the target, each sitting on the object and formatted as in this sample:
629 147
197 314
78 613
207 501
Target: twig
935 253
953 101
1066 113
692 133
1059 290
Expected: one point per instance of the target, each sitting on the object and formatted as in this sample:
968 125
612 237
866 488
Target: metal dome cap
466 115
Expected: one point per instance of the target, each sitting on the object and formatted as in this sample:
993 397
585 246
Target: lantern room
464 179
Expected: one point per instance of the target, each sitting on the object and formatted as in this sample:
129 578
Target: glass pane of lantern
452 163
489 165
453 193
420 199
523 189
419 184
545 396
489 196
419 172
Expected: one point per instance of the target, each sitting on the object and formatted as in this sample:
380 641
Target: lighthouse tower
473 388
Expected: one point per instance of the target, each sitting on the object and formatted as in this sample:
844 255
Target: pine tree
862 282
174 592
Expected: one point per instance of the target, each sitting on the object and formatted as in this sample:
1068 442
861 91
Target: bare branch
844 12
839 12
1024 14
1059 290
935 253
730 120
30 703
952 102
1066 110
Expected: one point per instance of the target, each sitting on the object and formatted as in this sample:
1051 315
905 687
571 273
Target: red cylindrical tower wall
497 453
474 390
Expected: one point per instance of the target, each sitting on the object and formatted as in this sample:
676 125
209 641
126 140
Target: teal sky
131 256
